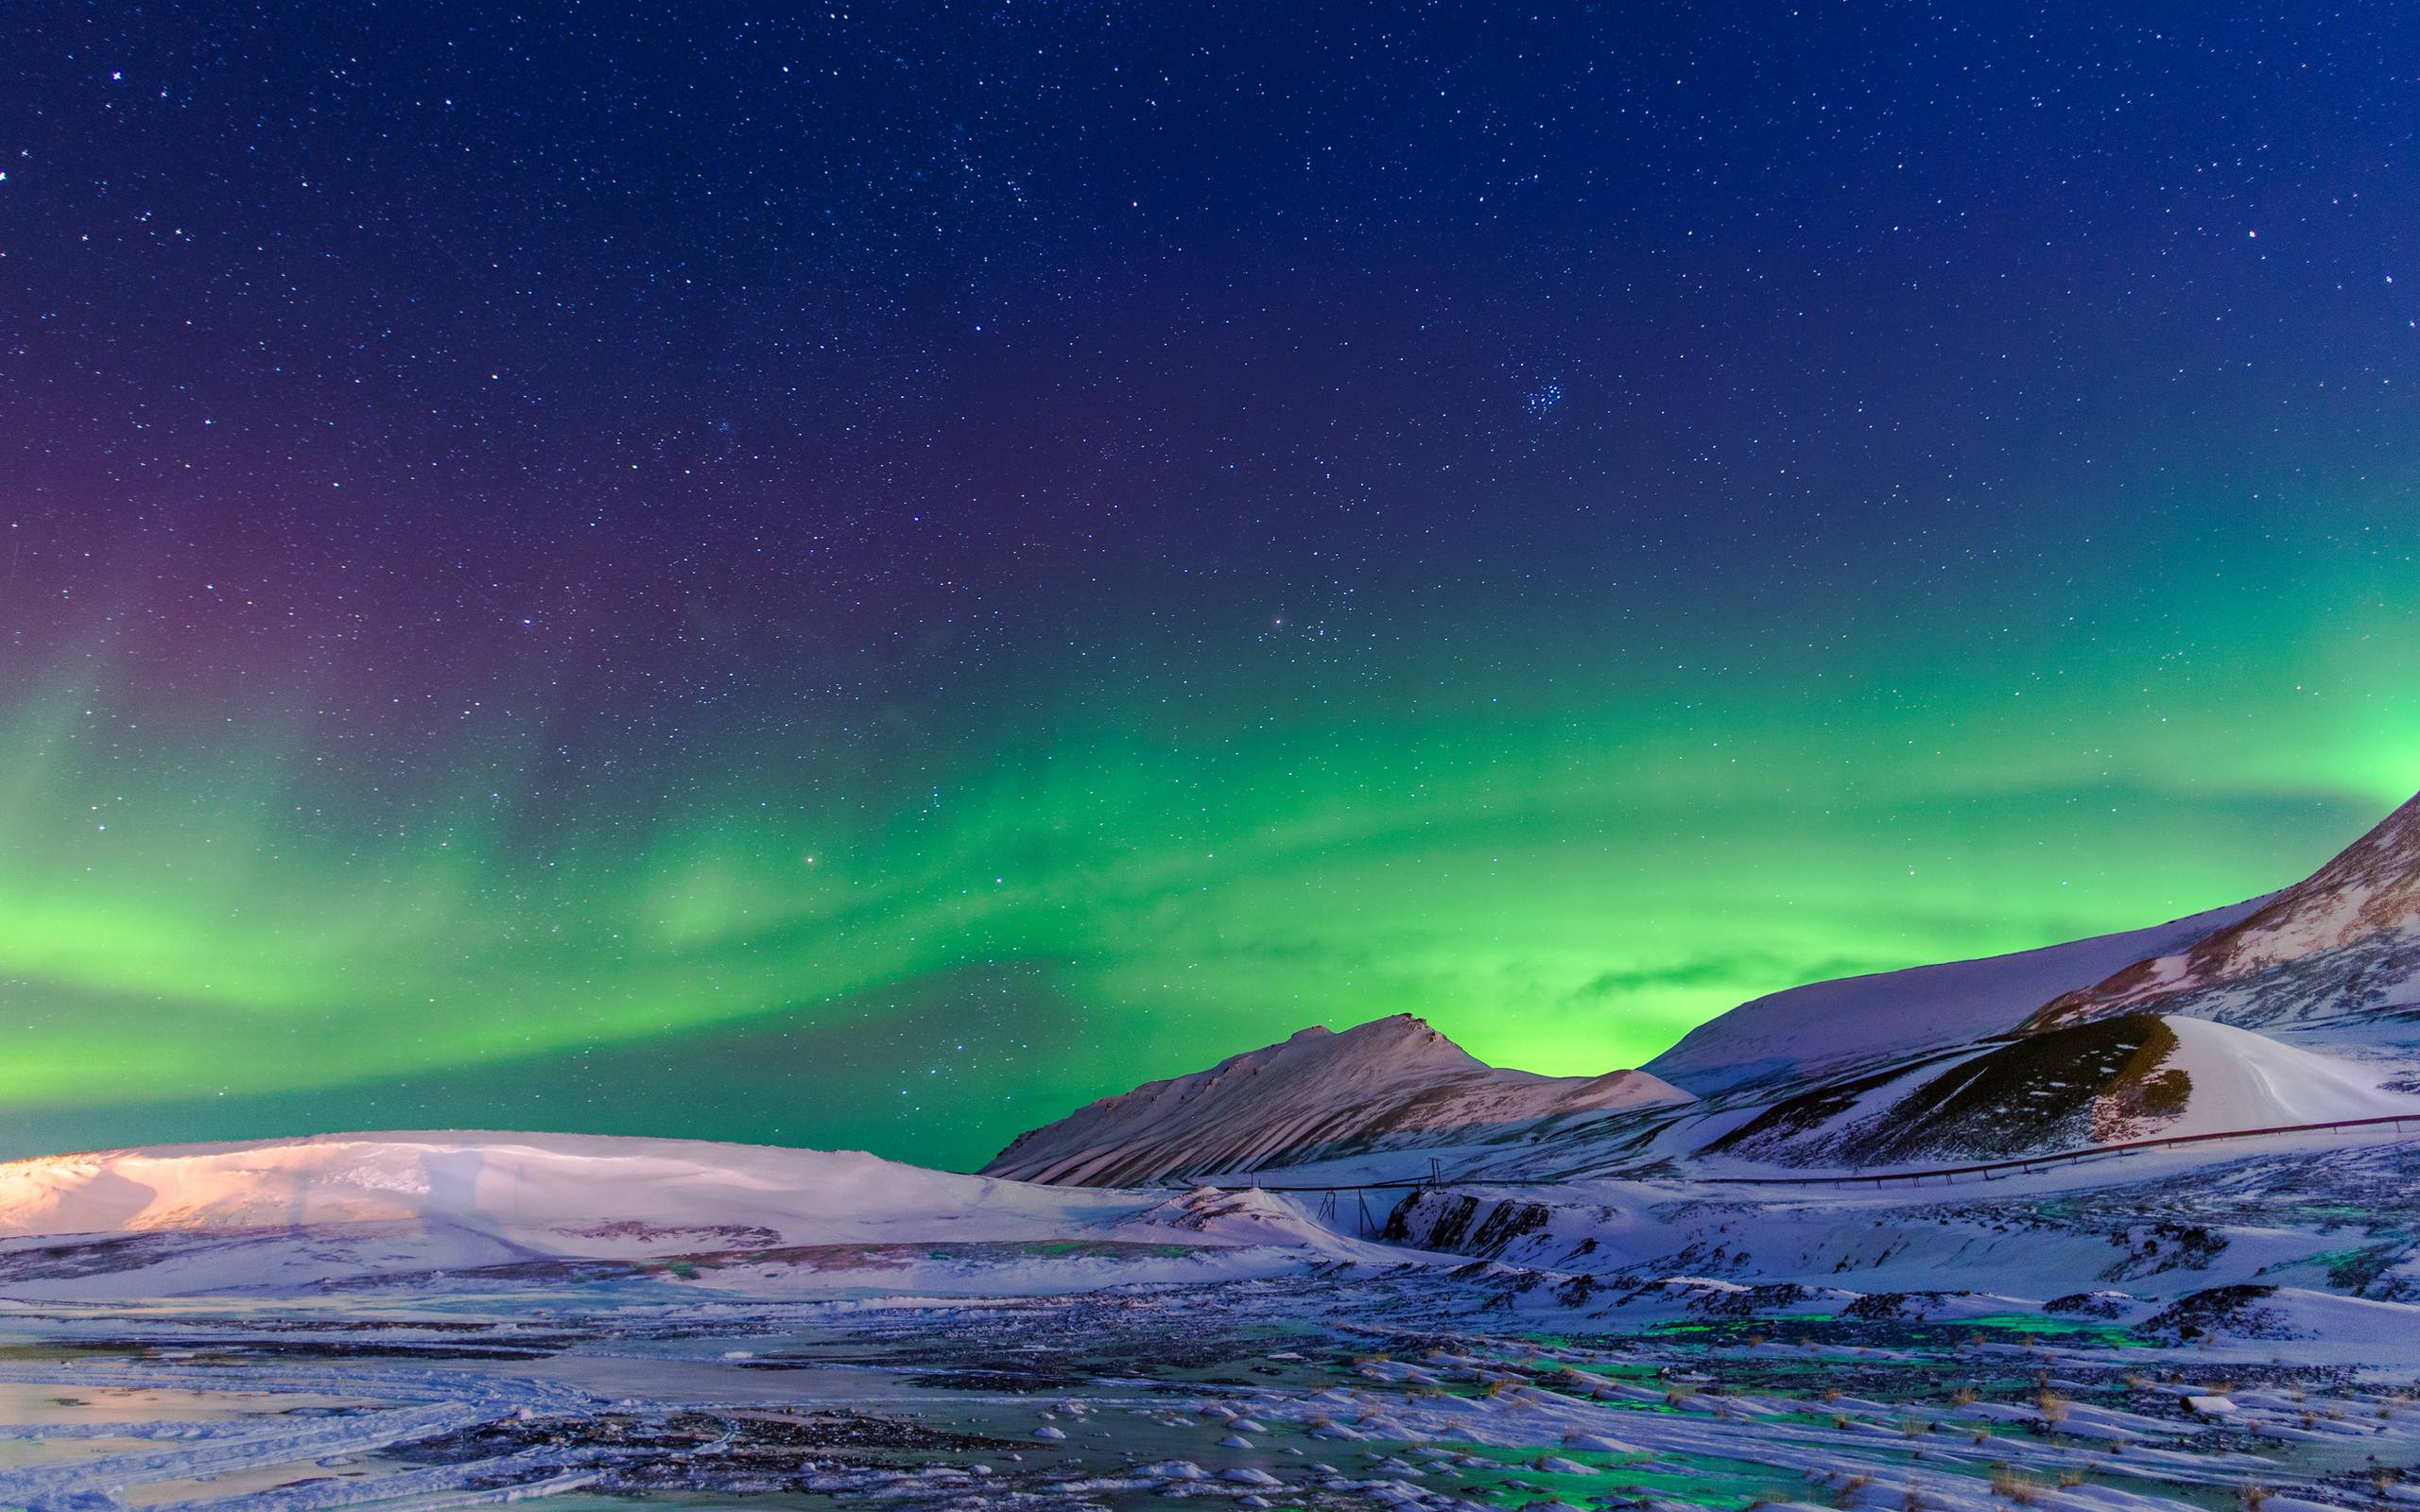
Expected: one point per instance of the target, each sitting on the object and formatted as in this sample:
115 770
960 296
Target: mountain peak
1317 1095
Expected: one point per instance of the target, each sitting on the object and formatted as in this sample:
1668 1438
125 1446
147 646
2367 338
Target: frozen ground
2154 1333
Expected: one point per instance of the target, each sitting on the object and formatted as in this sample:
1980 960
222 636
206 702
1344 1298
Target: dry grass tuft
2012 1485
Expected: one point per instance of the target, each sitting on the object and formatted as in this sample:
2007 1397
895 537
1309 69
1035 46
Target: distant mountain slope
1825 1024
2345 940
447 1213
2101 1082
558 1193
1318 1095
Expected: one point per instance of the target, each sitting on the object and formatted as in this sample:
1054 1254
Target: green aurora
211 928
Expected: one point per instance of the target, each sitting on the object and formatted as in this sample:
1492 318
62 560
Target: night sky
860 574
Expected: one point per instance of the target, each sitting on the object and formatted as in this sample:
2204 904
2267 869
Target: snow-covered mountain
2103 1081
2345 941
1392 1083
1822 1026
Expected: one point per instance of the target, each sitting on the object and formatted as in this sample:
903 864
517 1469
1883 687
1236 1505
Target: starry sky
861 575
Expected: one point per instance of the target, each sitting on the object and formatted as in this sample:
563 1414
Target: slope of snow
561 1193
2362 909
1392 1083
1824 1025
430 1213
2245 1080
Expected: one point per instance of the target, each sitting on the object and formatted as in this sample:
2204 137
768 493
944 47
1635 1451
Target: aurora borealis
865 577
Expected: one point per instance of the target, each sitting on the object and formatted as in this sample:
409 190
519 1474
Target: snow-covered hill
2344 941
1393 1083
452 1210
2106 1082
1826 1025
562 1193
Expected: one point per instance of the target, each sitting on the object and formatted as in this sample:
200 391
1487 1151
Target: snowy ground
1316 1390
2154 1333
